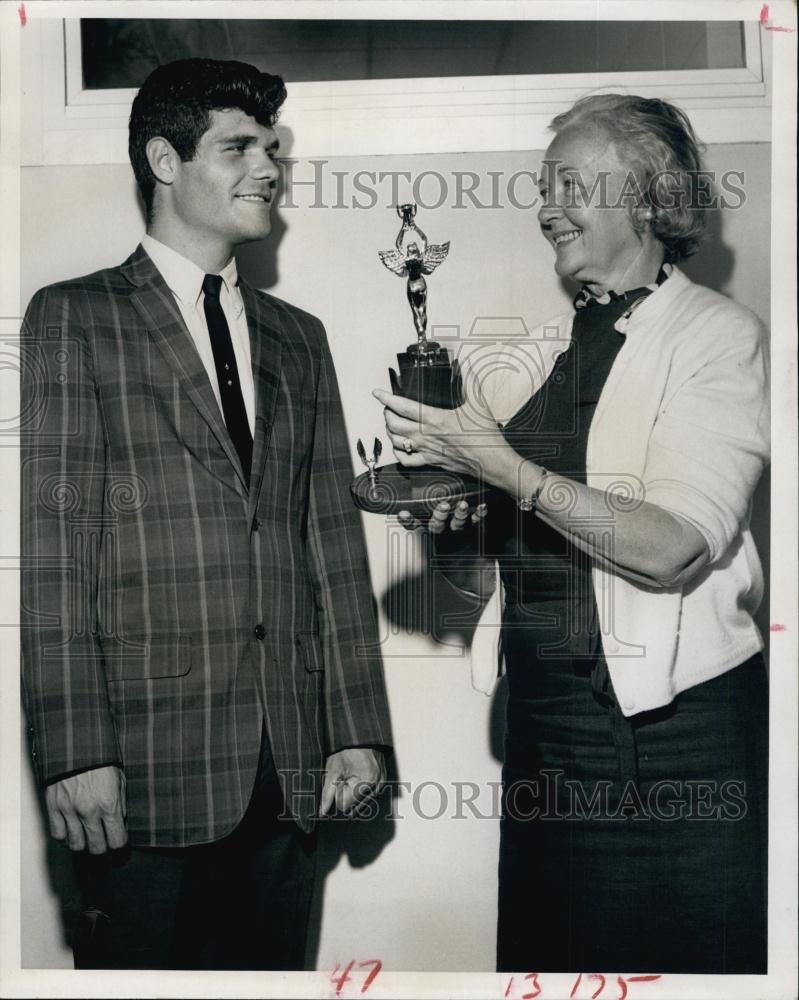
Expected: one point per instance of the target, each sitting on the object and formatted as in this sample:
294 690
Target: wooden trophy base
395 488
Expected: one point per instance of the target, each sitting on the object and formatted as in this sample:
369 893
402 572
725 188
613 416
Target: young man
199 638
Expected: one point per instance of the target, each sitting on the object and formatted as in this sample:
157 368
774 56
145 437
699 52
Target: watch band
528 504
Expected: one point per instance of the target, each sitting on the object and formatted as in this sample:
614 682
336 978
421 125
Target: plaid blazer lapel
156 305
266 349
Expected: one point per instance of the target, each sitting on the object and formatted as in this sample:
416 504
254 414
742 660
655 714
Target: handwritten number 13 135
533 988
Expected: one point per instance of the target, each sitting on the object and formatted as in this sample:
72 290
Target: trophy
426 374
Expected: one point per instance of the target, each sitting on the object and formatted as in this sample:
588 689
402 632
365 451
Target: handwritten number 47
340 980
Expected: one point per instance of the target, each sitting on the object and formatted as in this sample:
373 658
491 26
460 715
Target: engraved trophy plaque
426 374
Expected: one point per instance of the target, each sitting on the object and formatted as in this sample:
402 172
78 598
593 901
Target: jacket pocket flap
147 657
311 649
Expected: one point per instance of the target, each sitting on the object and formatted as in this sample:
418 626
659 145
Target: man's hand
88 810
352 776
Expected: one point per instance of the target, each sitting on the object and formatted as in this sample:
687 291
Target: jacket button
260 632
256 524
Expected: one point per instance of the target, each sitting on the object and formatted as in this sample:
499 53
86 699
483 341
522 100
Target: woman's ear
644 214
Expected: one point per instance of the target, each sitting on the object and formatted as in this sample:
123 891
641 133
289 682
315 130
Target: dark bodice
536 562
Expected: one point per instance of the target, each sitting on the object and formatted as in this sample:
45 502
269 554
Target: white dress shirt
185 280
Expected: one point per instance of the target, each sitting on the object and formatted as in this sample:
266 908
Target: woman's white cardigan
682 422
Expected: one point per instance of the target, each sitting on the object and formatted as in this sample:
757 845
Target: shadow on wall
361 841
57 862
428 604
713 264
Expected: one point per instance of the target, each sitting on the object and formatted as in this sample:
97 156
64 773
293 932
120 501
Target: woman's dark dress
627 844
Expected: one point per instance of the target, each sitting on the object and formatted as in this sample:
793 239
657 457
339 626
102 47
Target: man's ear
164 161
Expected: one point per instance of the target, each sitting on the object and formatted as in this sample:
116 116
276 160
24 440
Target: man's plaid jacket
168 610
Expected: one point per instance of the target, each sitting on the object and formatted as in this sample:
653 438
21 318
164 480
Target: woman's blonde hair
656 140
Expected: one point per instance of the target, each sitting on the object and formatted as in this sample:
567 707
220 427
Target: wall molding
387 117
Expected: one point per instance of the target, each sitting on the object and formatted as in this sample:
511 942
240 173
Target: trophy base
427 375
396 488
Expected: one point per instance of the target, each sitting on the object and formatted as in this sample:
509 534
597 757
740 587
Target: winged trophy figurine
408 259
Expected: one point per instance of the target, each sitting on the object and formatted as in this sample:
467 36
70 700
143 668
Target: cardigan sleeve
710 442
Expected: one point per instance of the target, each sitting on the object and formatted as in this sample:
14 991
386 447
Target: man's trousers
242 902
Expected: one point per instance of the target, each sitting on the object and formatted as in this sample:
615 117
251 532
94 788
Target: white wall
426 899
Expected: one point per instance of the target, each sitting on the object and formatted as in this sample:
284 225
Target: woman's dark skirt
630 845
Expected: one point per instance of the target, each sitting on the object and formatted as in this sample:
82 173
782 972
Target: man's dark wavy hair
175 102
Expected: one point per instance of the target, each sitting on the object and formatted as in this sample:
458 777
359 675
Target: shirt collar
230 279
185 279
585 298
639 318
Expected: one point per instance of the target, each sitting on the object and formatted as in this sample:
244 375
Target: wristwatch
528 504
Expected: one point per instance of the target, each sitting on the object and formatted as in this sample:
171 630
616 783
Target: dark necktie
227 373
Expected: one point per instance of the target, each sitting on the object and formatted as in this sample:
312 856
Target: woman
633 829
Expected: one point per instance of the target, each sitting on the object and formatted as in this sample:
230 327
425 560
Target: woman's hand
649 545
440 518
428 435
